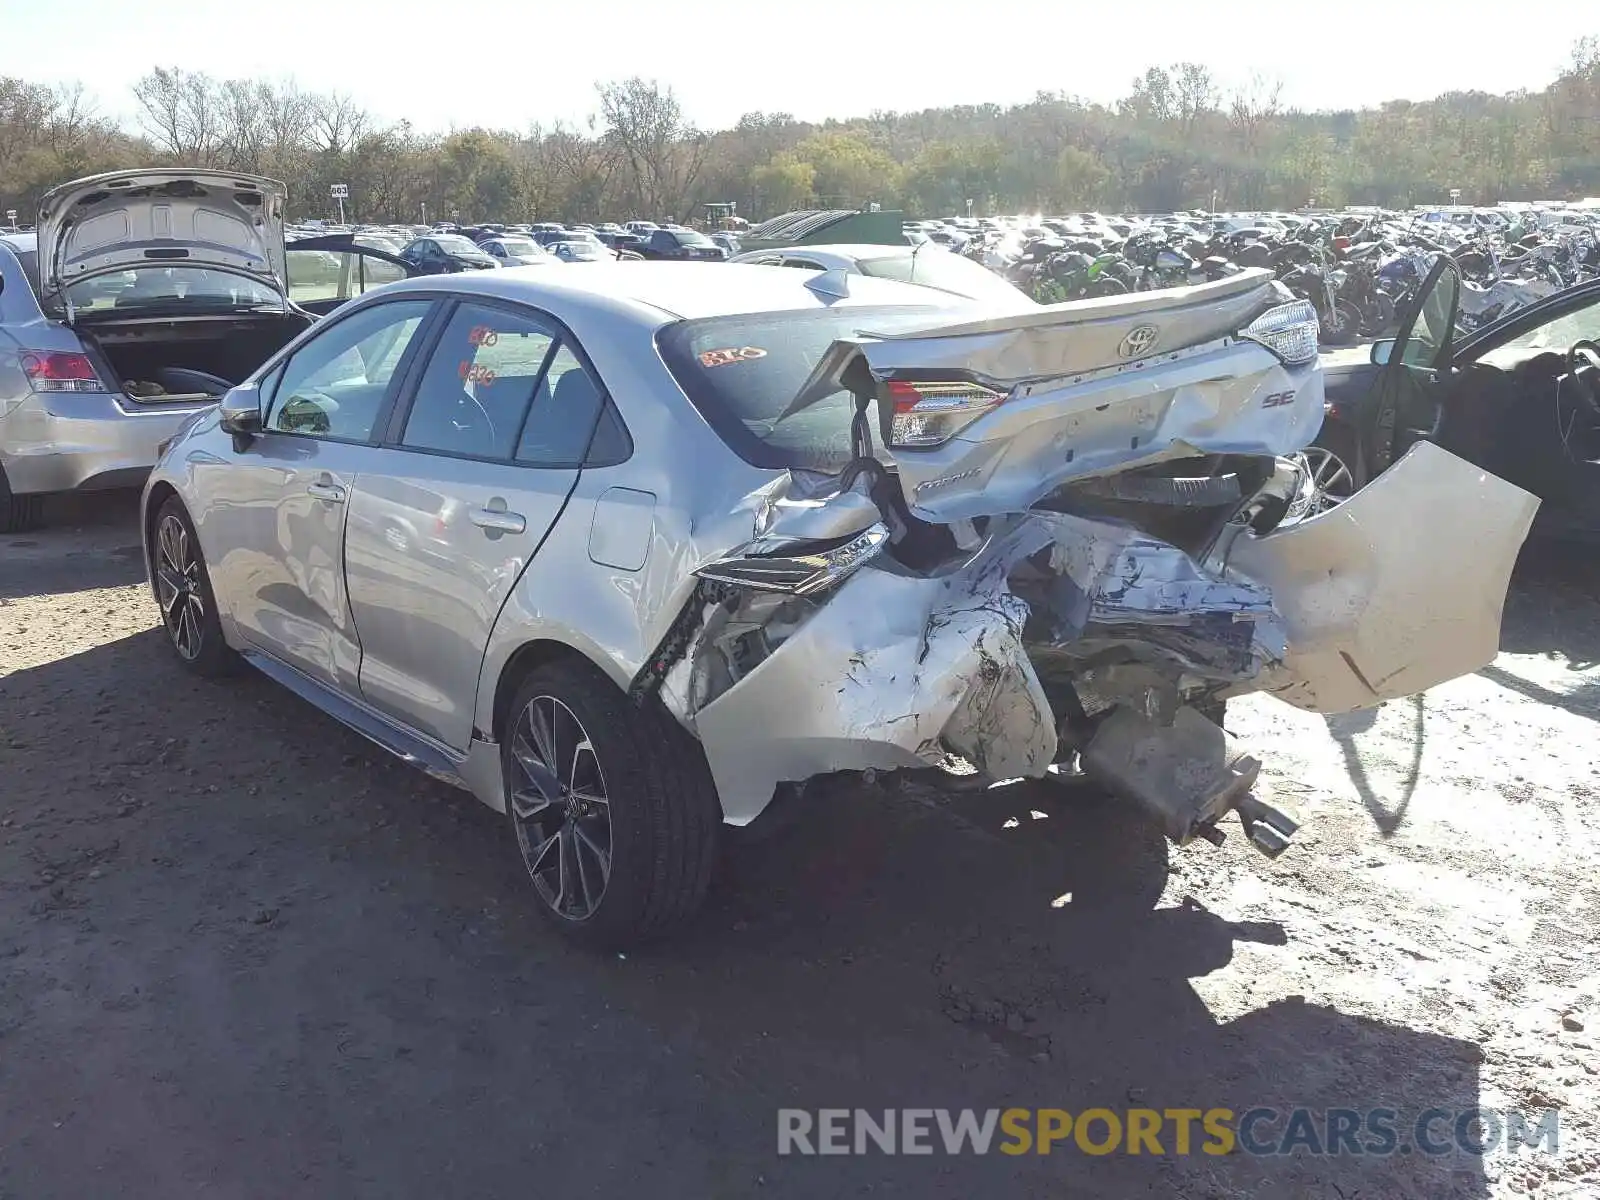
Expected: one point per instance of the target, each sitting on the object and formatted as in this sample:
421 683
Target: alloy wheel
560 808
1325 481
183 606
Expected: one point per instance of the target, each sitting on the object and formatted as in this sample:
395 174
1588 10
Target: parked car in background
925 264
579 251
446 254
680 244
1520 397
145 295
515 251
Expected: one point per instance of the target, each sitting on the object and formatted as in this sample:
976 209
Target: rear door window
479 383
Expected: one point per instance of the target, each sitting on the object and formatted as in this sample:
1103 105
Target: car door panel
281 556
434 546
437 541
1405 404
276 529
327 272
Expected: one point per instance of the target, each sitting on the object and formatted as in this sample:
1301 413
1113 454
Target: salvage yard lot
243 953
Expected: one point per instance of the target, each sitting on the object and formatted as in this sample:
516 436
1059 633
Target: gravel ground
244 954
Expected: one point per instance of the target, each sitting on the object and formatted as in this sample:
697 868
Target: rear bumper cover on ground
1396 590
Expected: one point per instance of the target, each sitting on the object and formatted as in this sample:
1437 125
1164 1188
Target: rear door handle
331 492
498 519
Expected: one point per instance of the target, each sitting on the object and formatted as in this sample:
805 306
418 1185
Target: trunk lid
1069 391
1055 340
160 217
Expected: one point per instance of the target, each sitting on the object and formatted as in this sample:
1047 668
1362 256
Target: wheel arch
160 492
524 659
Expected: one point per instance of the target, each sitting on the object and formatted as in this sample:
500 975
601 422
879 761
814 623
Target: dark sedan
445 254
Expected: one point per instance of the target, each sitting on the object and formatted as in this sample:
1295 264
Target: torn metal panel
1102 585
807 505
893 671
1395 590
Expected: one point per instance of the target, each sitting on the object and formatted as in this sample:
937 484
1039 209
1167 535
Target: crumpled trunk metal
1391 592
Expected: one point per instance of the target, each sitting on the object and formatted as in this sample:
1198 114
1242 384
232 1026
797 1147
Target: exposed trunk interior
165 362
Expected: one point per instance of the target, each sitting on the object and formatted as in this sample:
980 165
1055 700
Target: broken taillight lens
798 573
59 371
929 414
1289 331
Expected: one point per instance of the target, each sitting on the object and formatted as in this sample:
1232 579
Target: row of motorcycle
1358 272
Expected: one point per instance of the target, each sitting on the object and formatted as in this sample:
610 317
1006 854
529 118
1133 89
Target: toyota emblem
1140 341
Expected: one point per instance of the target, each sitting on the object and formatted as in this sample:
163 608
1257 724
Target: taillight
799 568
58 371
930 414
1289 331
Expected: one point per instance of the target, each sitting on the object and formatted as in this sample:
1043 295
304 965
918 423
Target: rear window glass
741 373
166 288
945 271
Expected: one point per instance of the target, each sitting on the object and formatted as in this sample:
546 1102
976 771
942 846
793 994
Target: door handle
498 519
331 492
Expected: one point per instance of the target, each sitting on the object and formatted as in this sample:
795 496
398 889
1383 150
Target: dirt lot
243 954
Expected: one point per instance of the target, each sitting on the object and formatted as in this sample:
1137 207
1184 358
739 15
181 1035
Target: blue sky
502 64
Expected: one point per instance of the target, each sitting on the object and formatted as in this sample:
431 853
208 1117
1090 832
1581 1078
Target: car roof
659 292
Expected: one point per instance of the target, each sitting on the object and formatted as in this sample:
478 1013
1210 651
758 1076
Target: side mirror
240 415
1381 351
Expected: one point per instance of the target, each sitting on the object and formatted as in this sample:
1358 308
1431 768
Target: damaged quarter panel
893 671
1395 590
617 567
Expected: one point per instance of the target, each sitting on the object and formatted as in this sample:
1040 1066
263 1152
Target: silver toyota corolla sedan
629 550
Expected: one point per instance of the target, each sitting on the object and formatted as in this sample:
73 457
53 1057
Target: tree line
1176 141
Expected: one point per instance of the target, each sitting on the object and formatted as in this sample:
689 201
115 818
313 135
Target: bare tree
661 150
337 122
182 110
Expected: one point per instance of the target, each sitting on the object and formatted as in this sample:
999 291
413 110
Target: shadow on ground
244 951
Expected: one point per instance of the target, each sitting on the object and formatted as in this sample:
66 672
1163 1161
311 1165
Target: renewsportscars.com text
1216 1131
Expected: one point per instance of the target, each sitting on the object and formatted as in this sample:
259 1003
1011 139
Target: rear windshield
945 271
170 287
741 372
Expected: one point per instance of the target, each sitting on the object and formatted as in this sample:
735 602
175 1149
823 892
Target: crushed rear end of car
1063 539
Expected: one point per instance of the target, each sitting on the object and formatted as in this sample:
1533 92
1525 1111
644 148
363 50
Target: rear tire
18 514
631 808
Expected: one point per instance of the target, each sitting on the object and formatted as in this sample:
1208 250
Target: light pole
424 212
340 192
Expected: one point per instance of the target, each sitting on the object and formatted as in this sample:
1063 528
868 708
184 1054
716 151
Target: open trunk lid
989 416
160 217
